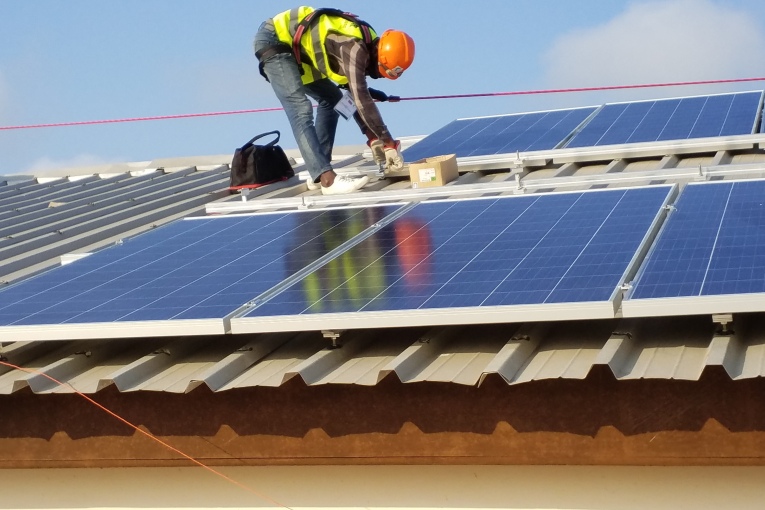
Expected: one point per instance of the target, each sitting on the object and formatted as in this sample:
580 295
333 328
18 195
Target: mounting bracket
723 320
333 336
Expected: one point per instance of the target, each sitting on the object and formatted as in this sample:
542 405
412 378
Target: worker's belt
269 52
266 53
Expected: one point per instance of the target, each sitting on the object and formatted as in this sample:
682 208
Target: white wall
388 487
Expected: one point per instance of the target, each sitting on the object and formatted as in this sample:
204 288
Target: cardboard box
435 171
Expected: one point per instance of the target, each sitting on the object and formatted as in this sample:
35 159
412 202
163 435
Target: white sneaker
312 185
345 184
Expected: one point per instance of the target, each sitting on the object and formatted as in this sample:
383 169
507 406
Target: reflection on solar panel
502 134
190 269
713 245
567 249
671 119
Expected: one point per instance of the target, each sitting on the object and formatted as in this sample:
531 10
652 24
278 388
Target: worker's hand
378 150
381 96
393 158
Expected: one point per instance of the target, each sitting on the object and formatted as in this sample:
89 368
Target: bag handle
272 142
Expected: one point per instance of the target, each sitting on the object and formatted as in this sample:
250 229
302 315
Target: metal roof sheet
85 209
663 348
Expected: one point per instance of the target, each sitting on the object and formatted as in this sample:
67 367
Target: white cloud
660 41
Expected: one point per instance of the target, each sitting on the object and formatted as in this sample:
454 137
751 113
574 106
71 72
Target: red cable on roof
418 98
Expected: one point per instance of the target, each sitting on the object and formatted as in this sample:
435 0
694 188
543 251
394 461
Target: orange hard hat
395 53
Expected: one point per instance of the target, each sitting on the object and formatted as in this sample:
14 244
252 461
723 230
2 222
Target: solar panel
504 134
710 256
190 270
671 119
482 260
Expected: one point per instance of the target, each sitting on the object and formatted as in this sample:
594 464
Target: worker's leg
326 94
285 78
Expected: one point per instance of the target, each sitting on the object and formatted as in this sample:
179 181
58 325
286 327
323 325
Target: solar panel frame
709 257
361 290
184 278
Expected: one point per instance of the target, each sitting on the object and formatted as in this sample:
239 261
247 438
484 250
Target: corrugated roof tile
94 209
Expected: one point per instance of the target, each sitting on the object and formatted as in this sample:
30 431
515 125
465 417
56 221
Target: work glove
379 95
378 150
393 158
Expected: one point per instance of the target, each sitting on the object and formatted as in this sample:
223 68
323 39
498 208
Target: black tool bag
255 165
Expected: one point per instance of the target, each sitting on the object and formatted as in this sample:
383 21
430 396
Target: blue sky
81 60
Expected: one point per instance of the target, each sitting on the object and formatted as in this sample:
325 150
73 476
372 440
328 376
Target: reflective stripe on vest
313 42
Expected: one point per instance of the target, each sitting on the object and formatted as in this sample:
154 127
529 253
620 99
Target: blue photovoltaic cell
503 134
190 269
671 119
712 244
559 248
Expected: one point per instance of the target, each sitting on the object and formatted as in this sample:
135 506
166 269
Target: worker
306 52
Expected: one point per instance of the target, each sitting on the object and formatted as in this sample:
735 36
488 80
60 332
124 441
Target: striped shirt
349 57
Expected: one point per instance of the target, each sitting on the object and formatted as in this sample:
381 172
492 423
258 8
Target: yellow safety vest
312 43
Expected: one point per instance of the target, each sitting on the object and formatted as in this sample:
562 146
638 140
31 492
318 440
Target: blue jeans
314 139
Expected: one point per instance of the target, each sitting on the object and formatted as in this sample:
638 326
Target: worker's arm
352 58
375 144
379 95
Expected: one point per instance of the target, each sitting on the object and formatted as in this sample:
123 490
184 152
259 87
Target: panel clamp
519 187
703 174
334 336
723 322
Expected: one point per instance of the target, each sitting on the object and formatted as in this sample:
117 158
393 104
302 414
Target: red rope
587 89
138 119
417 98
148 434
